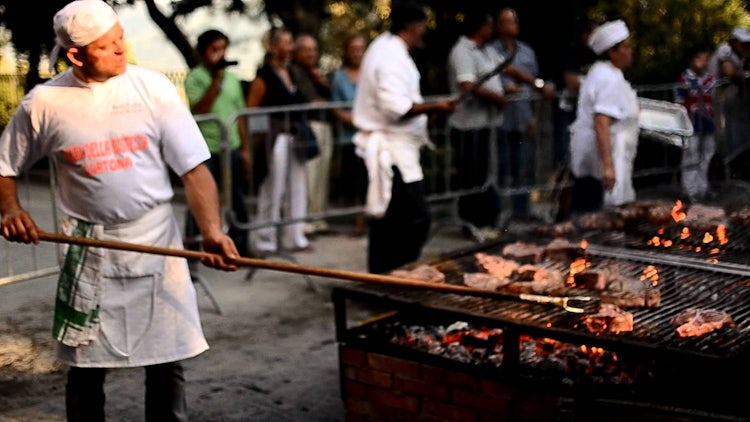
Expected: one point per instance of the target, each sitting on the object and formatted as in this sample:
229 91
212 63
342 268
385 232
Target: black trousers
397 238
165 394
471 157
587 195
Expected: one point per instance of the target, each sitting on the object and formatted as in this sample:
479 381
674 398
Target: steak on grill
496 265
601 220
740 217
704 217
653 210
609 319
425 273
695 322
560 249
627 292
484 281
523 252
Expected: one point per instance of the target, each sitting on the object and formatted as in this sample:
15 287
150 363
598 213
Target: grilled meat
695 322
484 281
704 217
560 249
609 319
557 230
600 221
740 217
425 273
655 211
626 292
496 265
523 252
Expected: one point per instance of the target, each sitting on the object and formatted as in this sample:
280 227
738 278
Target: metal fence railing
662 166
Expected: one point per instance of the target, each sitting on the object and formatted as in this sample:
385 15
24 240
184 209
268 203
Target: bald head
306 50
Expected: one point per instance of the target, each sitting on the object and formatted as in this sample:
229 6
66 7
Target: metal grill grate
681 287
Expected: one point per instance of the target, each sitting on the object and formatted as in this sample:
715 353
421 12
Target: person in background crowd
695 91
727 65
578 61
476 117
391 120
284 186
344 89
113 132
316 88
515 146
212 89
604 137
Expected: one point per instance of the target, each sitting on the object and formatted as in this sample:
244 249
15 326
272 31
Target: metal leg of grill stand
282 253
199 279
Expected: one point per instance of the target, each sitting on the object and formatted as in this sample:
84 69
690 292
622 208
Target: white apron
149 312
624 149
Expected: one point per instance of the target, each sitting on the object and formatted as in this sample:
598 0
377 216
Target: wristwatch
539 83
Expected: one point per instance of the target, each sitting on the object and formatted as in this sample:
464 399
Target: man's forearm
203 199
8 195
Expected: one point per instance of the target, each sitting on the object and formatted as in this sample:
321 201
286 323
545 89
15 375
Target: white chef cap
741 34
608 35
80 23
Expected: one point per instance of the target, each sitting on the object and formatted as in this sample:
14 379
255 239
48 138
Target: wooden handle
273 265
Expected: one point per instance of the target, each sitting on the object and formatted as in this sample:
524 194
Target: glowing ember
576 267
678 213
707 238
584 244
721 234
685 233
652 274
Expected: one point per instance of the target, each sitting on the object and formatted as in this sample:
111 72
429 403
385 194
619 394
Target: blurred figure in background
519 131
212 89
604 137
727 65
477 115
284 187
578 60
316 88
391 118
344 89
695 91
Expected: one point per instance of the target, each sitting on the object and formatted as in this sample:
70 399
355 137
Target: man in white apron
112 132
391 120
604 138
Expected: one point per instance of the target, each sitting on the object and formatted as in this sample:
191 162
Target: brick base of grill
379 387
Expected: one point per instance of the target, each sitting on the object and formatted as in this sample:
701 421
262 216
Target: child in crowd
695 92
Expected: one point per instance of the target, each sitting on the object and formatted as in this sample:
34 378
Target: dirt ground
273 351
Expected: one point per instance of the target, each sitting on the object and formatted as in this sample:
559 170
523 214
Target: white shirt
467 62
122 134
604 91
388 87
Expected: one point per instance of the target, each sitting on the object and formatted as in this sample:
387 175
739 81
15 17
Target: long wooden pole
563 302
275 265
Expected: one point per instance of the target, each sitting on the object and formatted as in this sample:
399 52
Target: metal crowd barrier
437 164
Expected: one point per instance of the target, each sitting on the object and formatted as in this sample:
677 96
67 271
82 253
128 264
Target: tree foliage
662 29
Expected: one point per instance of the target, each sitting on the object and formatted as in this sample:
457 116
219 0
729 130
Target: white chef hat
741 34
80 23
608 35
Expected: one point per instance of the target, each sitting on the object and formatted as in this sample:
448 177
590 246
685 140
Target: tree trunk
173 33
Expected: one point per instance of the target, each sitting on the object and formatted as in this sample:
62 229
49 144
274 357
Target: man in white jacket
391 117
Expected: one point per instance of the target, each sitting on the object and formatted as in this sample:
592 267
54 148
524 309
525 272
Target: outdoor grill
691 378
